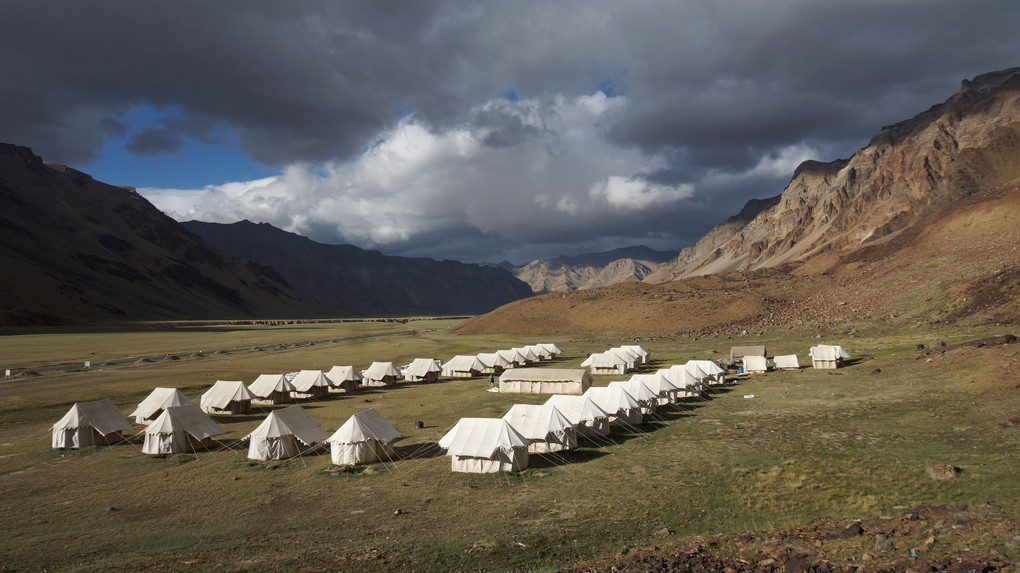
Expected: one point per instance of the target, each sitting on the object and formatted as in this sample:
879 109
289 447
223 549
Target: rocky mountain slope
922 225
75 249
365 283
591 270
968 144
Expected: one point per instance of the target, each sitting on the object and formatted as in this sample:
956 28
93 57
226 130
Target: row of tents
486 445
467 366
184 428
618 360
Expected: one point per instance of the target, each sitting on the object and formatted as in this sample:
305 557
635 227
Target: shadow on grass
417 451
564 457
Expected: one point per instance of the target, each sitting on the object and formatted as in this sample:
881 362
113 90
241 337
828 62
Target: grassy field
852 442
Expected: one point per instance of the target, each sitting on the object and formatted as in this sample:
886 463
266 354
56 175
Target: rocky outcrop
954 149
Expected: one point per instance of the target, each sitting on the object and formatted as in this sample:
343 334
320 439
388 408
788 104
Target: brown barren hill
910 241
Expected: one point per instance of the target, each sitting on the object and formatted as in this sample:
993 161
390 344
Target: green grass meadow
850 442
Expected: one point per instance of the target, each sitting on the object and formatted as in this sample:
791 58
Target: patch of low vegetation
730 479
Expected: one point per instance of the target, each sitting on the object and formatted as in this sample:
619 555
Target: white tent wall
83 437
178 442
226 397
380 374
827 357
159 399
755 364
545 381
366 452
503 460
787 362
590 420
275 448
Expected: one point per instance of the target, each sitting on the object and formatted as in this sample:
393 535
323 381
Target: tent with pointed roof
514 357
551 348
587 417
180 429
364 438
272 389
463 366
343 379
645 396
485 445
529 355
227 397
827 356
606 363
659 383
493 362
540 352
158 400
644 357
545 381
423 370
713 372
285 433
90 424
680 376
545 427
622 407
380 374
310 384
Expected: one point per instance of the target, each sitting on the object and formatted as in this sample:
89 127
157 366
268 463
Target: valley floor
775 481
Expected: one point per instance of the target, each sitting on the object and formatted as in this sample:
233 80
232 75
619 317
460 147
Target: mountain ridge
365 282
591 270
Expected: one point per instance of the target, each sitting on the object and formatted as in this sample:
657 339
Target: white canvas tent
688 386
644 357
587 417
606 363
158 400
272 389
485 445
645 396
631 357
463 366
529 356
494 363
364 438
623 409
285 433
545 381
755 364
380 374
787 362
737 353
539 352
713 372
827 356
90 424
545 427
551 348
514 357
659 383
227 397
180 429
422 370
310 384
343 379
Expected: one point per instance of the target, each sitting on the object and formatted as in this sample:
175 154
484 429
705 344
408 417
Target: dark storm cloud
723 97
